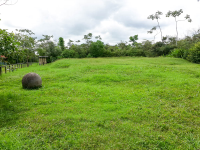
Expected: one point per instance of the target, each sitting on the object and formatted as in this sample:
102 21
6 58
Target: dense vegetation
103 103
23 47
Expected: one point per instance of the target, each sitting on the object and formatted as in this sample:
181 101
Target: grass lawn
103 103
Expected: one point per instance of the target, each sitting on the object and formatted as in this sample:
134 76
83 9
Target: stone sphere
31 81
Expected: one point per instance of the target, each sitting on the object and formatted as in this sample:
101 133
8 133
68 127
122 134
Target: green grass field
103 103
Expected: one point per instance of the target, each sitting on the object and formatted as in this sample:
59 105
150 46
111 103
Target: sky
113 20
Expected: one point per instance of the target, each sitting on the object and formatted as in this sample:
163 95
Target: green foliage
194 53
166 49
41 52
88 38
48 48
67 53
108 53
147 45
156 48
7 42
196 36
177 53
160 48
122 46
27 44
61 43
137 53
96 49
89 56
133 39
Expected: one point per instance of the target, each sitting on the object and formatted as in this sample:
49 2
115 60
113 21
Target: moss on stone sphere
31 81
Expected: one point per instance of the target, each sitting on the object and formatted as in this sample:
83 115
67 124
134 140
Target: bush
97 48
177 53
136 52
156 49
89 56
69 53
166 49
108 53
159 49
194 53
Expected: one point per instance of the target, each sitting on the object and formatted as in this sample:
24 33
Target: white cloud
114 20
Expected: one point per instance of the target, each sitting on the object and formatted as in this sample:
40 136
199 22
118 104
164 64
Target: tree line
22 46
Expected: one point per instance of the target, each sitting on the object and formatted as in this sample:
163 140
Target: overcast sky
113 20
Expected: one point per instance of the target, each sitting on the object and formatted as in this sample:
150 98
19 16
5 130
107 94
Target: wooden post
5 69
0 70
9 68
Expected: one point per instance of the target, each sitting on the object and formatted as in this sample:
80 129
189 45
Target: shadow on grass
10 108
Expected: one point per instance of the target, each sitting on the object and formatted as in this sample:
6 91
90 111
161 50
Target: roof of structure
43 56
2 56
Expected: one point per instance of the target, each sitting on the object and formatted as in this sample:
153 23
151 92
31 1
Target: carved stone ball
31 81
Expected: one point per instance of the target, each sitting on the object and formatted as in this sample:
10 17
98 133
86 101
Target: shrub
108 53
194 53
96 48
159 49
156 49
89 56
166 49
68 53
136 52
177 53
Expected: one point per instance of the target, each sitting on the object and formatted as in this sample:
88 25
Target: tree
43 44
87 39
98 37
78 41
41 52
97 48
70 43
61 43
122 45
46 46
133 39
27 43
156 16
8 42
176 14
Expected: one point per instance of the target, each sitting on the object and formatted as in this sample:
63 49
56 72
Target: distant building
42 60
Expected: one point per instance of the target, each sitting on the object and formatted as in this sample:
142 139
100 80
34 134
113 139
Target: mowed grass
103 103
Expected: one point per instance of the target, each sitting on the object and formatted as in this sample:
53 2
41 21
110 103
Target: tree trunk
160 30
176 32
27 62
